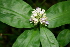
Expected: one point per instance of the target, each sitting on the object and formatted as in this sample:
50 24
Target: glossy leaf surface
47 38
15 13
59 14
64 37
29 38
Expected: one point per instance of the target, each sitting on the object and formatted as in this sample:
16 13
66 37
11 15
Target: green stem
7 34
43 1
61 46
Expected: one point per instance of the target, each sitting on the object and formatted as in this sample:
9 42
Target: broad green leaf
59 14
29 38
15 13
47 38
64 37
68 0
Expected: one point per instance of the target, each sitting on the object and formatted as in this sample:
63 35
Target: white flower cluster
39 15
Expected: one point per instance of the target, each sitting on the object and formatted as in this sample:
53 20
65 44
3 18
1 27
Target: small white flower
38 9
43 10
32 16
44 14
46 22
39 15
30 22
30 19
45 25
35 14
35 21
34 11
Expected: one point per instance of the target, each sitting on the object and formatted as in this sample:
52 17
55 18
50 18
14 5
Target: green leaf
68 0
59 14
64 37
29 38
47 38
15 13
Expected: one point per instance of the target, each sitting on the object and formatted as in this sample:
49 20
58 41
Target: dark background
9 34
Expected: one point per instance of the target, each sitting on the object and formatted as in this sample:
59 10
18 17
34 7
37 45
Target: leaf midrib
47 38
59 15
31 37
13 12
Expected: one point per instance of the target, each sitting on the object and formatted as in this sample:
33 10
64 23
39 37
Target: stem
7 34
43 1
39 26
61 46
